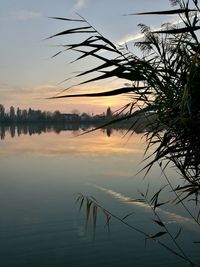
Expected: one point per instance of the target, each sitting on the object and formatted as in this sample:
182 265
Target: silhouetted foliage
163 82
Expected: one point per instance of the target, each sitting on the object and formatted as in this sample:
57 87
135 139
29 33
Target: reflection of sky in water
172 217
40 177
66 143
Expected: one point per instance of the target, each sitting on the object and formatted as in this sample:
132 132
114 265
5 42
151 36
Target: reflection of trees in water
27 129
108 132
2 132
12 131
38 128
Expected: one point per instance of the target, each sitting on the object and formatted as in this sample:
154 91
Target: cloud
130 38
137 36
25 96
80 4
35 97
45 90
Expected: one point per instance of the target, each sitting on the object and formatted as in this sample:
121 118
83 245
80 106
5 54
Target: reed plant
164 86
164 83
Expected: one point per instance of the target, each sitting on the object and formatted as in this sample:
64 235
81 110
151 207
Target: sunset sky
28 74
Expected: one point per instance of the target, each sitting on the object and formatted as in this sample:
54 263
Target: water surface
41 173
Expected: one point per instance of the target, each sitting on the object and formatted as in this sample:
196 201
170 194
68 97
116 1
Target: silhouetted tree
108 112
12 113
2 112
18 113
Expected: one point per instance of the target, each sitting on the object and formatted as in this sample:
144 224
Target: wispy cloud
79 4
35 97
130 38
137 36
25 96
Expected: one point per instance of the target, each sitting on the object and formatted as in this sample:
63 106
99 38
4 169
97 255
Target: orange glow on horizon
36 98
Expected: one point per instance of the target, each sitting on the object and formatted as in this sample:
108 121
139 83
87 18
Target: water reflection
30 129
40 176
39 128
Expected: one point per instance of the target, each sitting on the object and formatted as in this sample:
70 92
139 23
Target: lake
41 174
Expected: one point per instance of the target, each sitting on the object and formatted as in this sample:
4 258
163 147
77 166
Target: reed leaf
128 215
159 234
166 12
67 19
159 223
118 91
86 29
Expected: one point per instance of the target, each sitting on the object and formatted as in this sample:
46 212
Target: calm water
40 224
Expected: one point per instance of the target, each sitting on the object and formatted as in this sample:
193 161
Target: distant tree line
28 115
29 121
